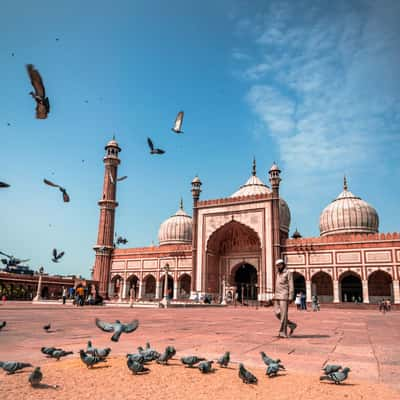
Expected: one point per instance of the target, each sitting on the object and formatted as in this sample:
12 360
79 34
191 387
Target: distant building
231 244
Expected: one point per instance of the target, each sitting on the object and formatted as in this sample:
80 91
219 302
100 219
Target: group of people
81 295
300 301
385 305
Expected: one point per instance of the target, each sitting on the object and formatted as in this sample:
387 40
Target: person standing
64 294
303 301
284 293
298 301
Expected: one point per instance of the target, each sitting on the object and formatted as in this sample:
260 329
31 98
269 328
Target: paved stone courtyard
365 340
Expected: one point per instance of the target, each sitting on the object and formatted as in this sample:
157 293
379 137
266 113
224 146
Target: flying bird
4 185
117 327
2 325
122 178
62 190
35 377
57 256
336 377
178 123
121 240
42 102
152 149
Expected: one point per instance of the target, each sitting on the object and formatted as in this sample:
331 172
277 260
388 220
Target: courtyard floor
365 340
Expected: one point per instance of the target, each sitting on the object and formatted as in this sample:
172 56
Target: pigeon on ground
13 366
57 354
268 360
167 355
329 368
4 185
35 377
273 369
2 325
66 197
117 327
191 360
47 328
148 353
224 360
246 376
48 351
136 367
136 357
205 367
152 149
42 102
102 353
89 359
57 256
178 123
336 377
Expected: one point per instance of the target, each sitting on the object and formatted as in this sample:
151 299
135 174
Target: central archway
231 241
351 288
245 278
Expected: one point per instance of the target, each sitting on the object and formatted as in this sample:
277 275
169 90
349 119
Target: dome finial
344 183
254 167
181 204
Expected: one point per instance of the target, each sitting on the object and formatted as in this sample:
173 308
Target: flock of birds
136 362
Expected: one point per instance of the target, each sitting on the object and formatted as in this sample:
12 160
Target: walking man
64 294
284 293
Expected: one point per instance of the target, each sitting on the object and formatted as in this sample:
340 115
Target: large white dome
348 214
177 229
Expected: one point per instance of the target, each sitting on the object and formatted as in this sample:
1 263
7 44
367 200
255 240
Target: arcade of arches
149 288
349 288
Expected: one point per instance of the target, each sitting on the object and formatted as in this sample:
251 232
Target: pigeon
167 355
121 240
66 198
102 353
328 369
2 325
35 377
267 360
136 357
57 256
118 328
246 376
122 178
152 149
273 369
47 328
135 366
42 102
205 367
48 351
89 359
58 353
13 366
336 377
191 360
224 360
4 185
178 123
148 353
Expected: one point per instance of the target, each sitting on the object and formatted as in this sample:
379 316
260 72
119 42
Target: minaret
196 190
274 179
104 246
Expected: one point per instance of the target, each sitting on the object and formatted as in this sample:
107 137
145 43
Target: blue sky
314 86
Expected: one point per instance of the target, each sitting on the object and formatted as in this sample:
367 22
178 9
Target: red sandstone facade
235 242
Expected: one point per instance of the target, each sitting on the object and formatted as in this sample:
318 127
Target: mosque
229 245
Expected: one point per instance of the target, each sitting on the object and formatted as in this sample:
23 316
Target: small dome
255 185
196 179
348 214
296 234
177 229
274 167
112 143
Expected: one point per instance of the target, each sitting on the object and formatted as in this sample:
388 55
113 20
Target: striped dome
177 229
348 214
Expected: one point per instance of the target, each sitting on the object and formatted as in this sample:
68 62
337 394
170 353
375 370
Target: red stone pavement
365 340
